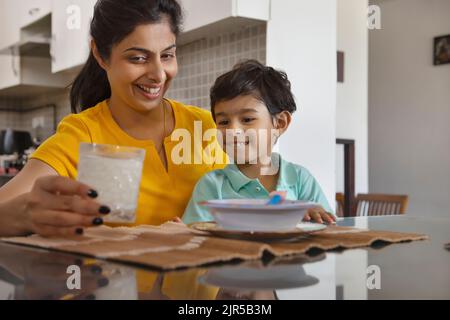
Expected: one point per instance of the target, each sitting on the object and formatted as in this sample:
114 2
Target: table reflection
35 274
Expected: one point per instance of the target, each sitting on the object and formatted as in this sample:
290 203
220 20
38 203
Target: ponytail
90 87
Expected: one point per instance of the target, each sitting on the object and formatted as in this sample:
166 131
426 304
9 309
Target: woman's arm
37 200
13 198
23 182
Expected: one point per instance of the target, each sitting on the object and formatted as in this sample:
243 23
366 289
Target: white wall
352 94
301 39
409 106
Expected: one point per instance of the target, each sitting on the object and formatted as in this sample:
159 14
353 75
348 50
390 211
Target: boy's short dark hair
250 77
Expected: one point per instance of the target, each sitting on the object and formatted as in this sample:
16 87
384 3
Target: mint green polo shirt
231 183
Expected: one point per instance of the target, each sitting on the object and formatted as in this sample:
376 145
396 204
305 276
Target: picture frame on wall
441 50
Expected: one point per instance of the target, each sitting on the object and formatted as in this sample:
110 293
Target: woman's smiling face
141 67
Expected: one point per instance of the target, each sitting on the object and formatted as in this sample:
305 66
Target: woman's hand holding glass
58 206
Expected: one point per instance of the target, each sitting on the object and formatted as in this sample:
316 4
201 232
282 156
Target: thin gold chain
164 133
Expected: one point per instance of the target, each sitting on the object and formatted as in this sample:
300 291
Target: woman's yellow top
163 194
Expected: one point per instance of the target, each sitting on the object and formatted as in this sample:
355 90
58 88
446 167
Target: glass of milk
115 173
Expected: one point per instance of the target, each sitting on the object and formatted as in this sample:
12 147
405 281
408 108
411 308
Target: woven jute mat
174 245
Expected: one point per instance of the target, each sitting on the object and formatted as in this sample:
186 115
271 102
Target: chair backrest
339 204
381 204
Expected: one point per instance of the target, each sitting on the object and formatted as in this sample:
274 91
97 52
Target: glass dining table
410 270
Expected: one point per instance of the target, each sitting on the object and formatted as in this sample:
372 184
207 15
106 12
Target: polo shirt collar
237 179
287 178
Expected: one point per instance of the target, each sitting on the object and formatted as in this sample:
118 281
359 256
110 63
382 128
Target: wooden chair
339 204
380 204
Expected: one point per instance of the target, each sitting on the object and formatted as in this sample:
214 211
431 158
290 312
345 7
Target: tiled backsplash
23 119
10 119
200 63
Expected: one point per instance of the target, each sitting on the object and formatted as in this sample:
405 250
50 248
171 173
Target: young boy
252 107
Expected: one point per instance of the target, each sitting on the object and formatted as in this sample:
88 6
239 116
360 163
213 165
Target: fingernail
104 210
97 221
102 282
93 194
79 231
96 269
90 297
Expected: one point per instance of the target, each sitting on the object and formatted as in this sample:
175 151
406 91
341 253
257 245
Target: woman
120 96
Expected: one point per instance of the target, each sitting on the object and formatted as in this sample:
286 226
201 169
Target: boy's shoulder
294 173
210 184
298 168
213 177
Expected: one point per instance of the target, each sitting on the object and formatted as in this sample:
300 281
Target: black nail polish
97 221
96 269
104 210
79 231
102 282
93 194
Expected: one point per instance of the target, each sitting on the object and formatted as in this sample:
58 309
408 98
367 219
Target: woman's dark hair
113 21
250 77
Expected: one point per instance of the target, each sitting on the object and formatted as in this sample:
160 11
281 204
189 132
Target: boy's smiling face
242 122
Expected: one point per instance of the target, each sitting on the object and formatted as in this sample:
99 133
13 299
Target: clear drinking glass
115 172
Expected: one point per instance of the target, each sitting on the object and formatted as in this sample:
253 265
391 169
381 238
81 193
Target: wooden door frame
349 176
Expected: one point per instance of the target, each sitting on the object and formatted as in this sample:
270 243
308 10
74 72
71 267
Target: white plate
301 229
255 215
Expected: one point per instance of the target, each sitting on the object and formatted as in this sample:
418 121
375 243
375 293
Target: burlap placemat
173 245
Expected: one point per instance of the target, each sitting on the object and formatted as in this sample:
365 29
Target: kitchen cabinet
199 13
70 33
54 34
70 22
9 70
206 17
30 11
16 15
25 66
70 40
24 76
9 24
